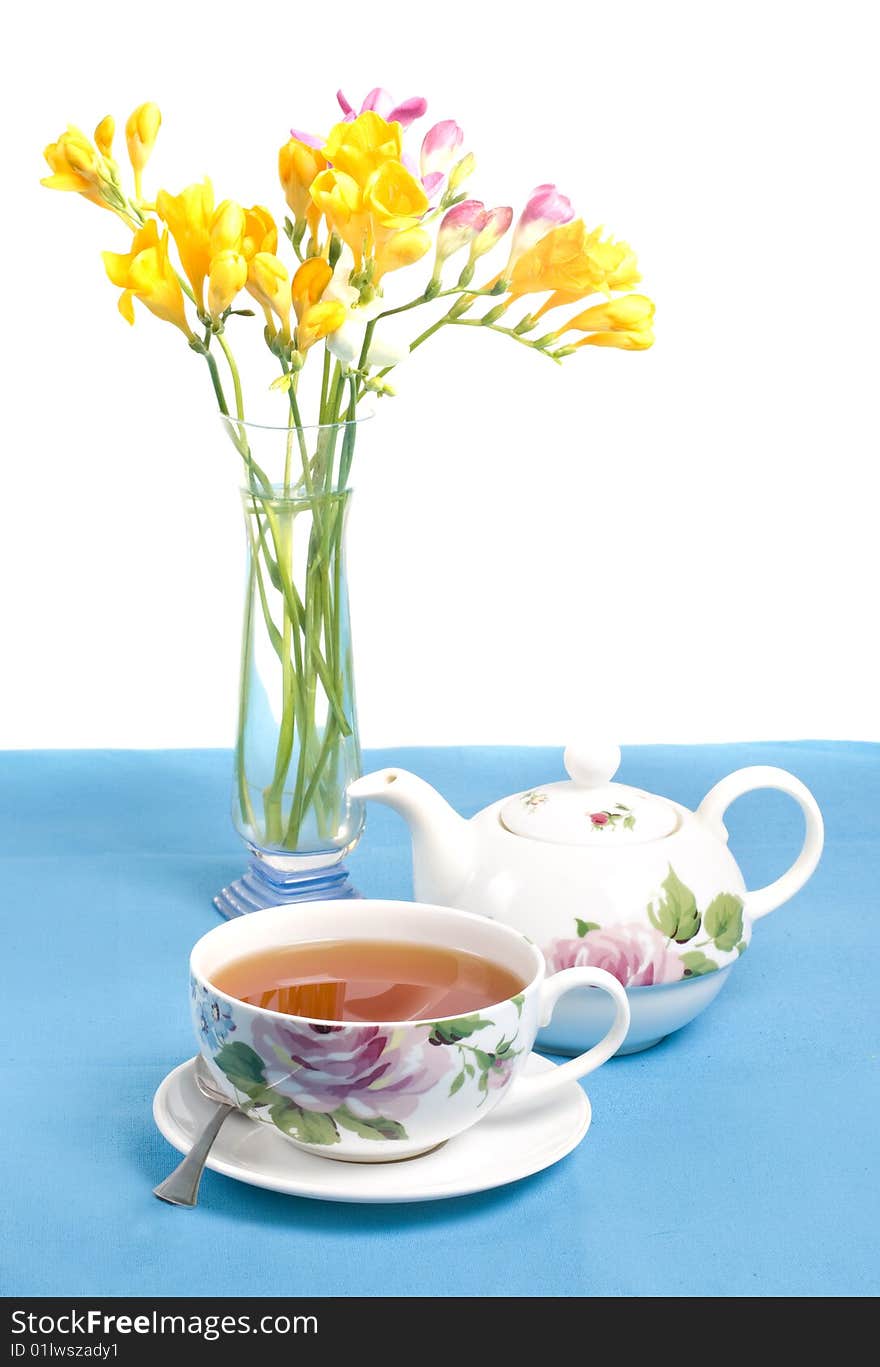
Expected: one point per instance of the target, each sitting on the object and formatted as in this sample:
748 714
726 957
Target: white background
672 546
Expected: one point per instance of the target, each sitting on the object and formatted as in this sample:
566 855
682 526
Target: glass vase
296 748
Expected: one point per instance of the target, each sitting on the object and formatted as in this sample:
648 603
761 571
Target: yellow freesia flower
147 274
612 266
298 165
618 261
77 164
260 232
269 283
394 198
104 135
227 277
227 228
309 284
318 321
363 146
626 322
396 202
141 132
400 249
560 262
188 216
338 197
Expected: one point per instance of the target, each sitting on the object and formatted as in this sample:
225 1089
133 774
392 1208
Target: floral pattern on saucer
644 954
314 1080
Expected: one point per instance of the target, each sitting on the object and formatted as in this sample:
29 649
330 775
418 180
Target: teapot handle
718 799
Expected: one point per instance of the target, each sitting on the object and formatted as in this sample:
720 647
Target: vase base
254 891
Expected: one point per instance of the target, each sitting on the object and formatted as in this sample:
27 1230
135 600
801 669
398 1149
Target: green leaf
696 964
457 1083
483 1060
450 1032
484 1082
723 920
584 926
518 1002
741 947
243 1066
675 914
377 1127
309 1127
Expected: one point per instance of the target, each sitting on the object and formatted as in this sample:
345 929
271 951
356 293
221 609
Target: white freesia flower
388 346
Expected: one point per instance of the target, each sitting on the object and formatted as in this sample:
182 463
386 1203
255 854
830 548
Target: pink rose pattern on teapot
640 955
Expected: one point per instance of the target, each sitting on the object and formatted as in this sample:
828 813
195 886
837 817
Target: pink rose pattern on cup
315 1080
645 954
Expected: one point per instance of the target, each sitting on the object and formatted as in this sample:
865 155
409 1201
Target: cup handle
718 799
535 1088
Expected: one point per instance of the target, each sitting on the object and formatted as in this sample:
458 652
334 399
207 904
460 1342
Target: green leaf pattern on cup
319 1083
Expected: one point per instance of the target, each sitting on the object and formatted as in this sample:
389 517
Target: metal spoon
181 1187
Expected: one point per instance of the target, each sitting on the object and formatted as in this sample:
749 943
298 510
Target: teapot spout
442 841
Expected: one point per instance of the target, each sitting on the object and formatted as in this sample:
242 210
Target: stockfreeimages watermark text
208 1327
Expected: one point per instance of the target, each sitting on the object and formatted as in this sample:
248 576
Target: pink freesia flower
496 225
382 103
637 955
459 226
546 208
440 147
310 139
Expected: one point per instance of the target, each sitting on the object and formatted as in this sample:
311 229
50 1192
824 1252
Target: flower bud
496 225
227 228
546 208
461 171
309 284
141 132
104 135
440 145
298 166
630 311
268 282
626 323
459 226
226 279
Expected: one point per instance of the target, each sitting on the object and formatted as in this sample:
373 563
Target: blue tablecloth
739 1157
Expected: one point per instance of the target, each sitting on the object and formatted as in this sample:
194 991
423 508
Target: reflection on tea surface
367 980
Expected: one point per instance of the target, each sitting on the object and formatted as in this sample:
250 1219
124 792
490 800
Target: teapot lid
589 809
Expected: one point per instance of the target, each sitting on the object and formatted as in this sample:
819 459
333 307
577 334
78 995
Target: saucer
513 1142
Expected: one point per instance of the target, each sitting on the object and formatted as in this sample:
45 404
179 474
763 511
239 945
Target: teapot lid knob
592 764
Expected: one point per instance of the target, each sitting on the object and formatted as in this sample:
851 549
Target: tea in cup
372 1031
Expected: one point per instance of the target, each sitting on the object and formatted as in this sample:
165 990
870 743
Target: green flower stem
304 455
244 797
429 299
236 378
215 381
325 380
506 332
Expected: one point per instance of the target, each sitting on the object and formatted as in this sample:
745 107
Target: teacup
385 1090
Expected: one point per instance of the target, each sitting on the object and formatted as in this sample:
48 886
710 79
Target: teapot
604 874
